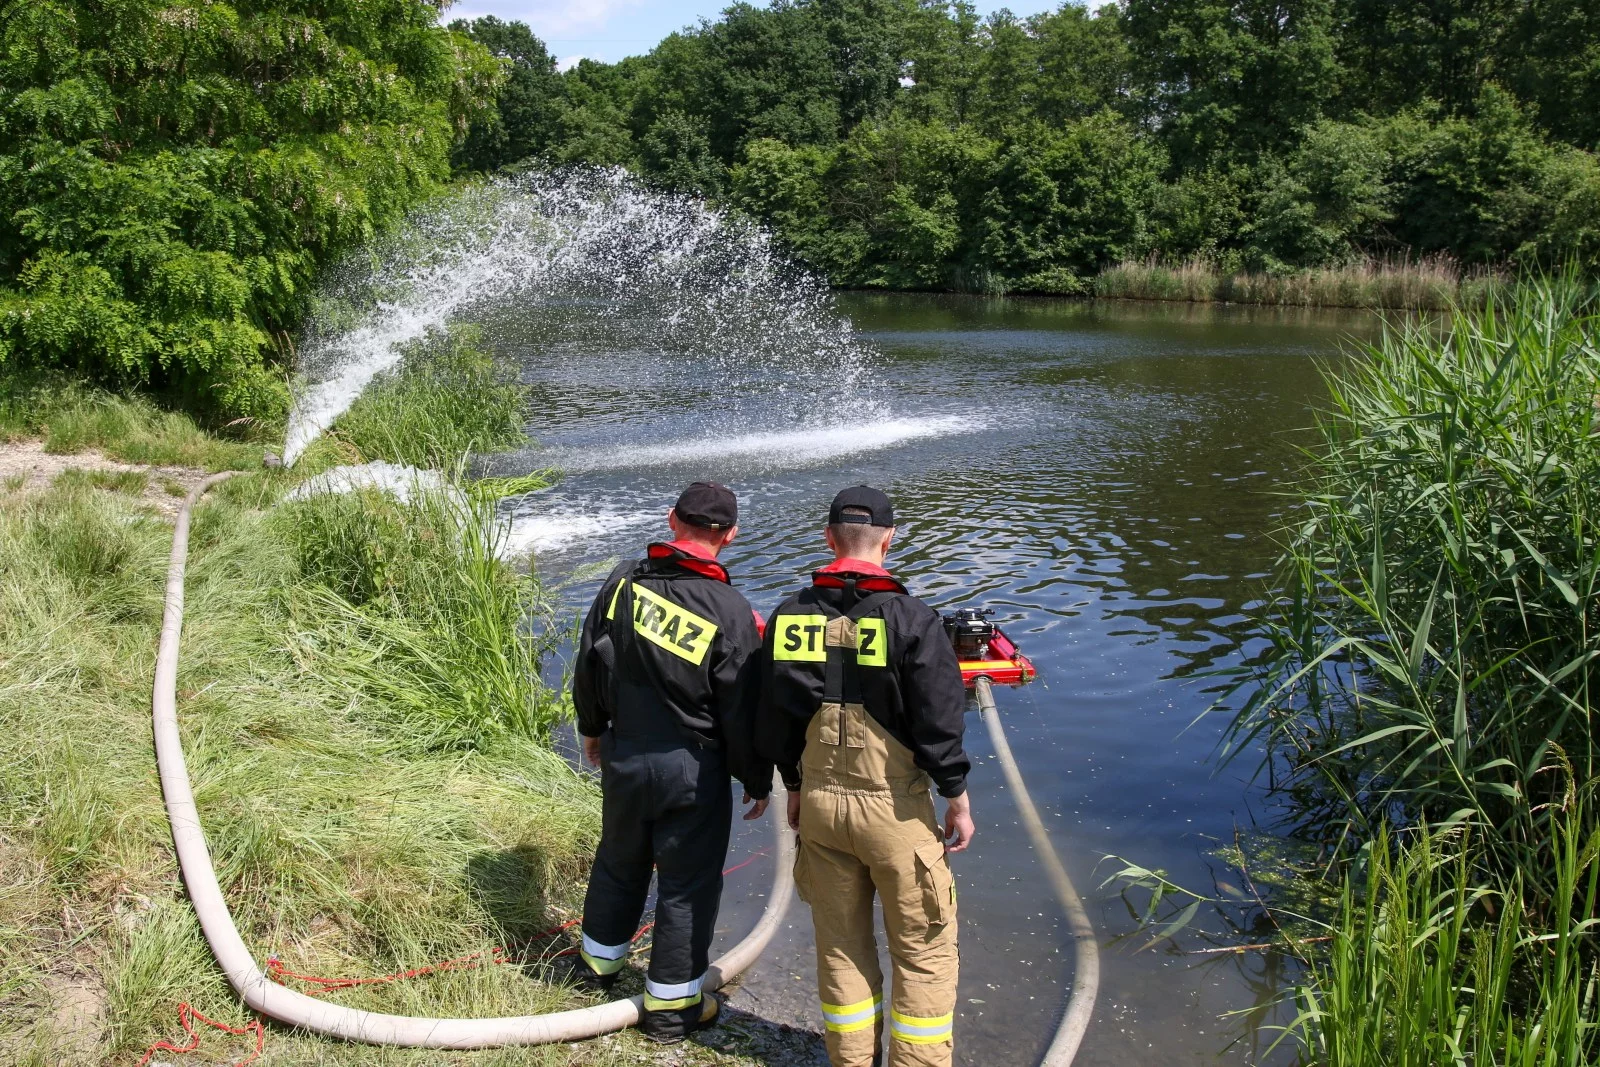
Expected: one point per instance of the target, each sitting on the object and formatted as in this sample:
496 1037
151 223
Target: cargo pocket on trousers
802 870
936 882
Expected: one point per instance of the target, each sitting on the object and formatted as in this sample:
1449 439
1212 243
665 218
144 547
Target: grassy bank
362 716
360 824
1433 666
1430 284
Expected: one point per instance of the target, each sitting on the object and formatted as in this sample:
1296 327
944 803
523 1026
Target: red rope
741 866
186 1017
277 972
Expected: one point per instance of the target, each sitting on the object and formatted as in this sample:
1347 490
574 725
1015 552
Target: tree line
174 174
913 144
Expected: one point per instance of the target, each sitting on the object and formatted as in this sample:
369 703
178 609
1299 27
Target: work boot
670 1027
578 972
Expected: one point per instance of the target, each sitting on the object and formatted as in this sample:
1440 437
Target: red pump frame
1006 665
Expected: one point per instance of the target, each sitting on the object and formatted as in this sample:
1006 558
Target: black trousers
666 805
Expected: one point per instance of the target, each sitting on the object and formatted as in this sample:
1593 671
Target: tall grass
1428 968
1432 283
448 398
343 844
410 602
71 417
1435 653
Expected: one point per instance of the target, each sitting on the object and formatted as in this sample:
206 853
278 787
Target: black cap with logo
708 505
861 504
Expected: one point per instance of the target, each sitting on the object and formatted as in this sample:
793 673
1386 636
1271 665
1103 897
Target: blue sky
611 29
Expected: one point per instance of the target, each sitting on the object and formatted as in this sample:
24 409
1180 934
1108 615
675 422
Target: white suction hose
297 1009
1086 952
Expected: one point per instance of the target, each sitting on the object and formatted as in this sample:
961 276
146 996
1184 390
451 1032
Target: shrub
172 177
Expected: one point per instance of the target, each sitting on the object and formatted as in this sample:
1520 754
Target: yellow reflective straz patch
872 643
799 638
671 626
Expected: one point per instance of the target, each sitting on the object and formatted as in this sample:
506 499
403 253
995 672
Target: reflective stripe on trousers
848 1018
660 997
867 829
604 959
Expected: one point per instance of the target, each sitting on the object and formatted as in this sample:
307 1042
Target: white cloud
564 65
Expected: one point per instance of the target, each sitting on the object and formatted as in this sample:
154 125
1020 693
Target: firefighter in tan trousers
863 709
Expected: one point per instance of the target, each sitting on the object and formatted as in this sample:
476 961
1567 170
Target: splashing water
603 265
789 448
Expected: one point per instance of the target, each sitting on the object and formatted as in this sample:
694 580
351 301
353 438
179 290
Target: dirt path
26 467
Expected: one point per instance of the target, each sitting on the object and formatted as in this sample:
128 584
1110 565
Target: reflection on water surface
1101 474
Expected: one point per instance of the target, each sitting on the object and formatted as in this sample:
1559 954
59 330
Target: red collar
692 548
858 567
869 577
690 556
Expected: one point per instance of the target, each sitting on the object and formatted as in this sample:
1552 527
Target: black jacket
668 653
912 685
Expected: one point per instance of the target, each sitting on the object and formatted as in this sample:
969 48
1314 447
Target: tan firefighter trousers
867 827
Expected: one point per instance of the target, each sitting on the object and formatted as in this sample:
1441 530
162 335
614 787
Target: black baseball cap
708 505
879 512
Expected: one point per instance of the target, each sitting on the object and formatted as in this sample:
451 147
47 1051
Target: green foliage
1436 648
447 399
171 177
1230 79
917 145
527 105
1429 967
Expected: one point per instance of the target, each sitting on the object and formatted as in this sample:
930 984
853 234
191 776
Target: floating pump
985 651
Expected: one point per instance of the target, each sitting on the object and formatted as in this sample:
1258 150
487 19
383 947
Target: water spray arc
592 263
297 1009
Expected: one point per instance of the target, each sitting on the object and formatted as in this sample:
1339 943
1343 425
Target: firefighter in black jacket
863 706
666 690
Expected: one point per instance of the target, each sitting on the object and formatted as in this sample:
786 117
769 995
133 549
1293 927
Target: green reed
1428 968
1433 283
1433 652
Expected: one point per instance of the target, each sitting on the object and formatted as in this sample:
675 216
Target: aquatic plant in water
1435 651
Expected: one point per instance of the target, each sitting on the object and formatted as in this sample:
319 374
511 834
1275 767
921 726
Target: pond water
1103 476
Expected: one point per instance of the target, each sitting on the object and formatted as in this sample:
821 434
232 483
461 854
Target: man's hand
958 827
794 810
591 750
756 812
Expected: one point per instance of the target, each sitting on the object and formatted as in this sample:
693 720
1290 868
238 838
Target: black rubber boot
578 972
670 1027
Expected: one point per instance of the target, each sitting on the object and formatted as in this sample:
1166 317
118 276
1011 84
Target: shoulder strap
841 681
872 603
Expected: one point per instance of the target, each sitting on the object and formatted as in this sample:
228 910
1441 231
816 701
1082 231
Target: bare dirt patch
25 467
